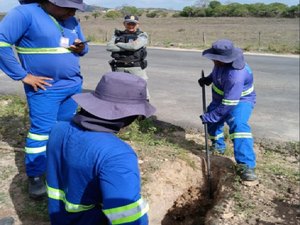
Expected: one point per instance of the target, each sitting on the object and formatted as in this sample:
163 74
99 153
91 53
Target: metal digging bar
209 181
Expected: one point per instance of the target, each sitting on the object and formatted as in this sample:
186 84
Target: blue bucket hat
117 95
224 51
76 4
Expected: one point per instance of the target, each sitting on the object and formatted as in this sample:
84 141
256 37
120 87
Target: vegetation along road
174 90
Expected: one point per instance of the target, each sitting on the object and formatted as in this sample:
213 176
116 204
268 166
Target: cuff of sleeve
22 77
203 119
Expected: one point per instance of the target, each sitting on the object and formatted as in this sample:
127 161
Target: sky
6 5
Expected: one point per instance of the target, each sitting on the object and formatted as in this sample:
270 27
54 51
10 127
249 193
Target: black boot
246 173
36 187
7 221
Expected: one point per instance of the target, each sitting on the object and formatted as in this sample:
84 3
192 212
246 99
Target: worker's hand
204 81
77 46
203 122
36 81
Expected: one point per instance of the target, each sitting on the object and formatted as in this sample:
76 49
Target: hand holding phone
81 43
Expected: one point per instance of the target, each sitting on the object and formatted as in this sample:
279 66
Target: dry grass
279 35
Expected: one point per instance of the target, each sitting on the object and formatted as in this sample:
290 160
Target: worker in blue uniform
48 40
233 99
92 175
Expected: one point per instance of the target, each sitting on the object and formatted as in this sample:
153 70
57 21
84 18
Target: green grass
150 141
14 117
274 164
12 105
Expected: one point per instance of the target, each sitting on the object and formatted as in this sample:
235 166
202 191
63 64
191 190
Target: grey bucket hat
224 51
76 4
116 96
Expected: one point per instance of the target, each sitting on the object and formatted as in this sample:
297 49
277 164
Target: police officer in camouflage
128 49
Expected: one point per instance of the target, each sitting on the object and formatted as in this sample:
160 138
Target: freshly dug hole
179 195
189 209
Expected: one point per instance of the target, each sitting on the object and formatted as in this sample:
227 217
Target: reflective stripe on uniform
38 137
4 44
35 150
216 137
244 93
60 195
240 135
128 213
217 90
247 92
230 102
58 50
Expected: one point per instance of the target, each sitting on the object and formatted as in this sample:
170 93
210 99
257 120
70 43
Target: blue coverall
37 38
233 99
92 178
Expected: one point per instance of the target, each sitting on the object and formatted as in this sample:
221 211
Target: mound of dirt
178 194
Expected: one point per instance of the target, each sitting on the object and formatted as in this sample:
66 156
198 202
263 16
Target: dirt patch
177 193
174 176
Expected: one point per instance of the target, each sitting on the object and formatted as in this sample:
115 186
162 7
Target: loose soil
174 178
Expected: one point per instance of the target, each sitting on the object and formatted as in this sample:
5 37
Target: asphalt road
173 76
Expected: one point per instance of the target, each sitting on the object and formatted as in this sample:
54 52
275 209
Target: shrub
113 14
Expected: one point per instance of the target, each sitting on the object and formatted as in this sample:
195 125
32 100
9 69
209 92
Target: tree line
208 8
216 9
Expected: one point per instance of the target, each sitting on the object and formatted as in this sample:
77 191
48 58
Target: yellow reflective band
240 135
128 213
58 50
58 194
4 44
247 92
132 218
230 102
244 93
35 150
38 137
217 90
216 137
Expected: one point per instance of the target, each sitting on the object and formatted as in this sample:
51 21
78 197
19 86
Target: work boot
246 173
216 150
7 221
36 187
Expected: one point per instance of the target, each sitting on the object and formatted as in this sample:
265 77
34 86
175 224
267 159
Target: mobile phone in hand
81 43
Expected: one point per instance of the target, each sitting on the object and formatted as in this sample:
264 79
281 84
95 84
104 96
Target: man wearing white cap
47 39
